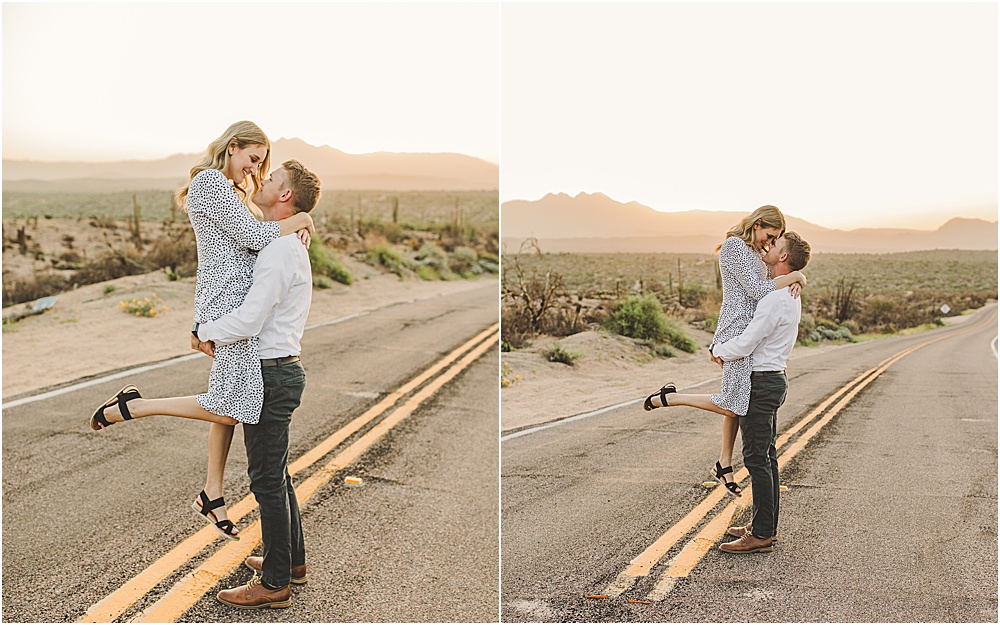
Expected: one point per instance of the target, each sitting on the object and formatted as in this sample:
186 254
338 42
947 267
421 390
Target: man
770 338
275 310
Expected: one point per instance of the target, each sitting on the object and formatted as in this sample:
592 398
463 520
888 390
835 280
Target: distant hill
387 171
597 223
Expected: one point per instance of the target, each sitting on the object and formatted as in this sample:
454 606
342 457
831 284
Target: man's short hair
797 249
304 185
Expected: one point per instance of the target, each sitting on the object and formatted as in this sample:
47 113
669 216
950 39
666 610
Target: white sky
143 81
847 115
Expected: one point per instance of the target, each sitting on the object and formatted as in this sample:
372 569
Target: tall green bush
639 317
325 264
389 257
642 317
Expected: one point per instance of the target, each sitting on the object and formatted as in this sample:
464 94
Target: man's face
270 190
773 255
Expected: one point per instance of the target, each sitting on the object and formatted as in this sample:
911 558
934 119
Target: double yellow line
689 556
186 592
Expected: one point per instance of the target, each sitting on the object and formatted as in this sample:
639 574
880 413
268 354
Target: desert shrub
660 350
491 242
432 263
68 260
489 262
812 331
877 310
515 327
322 282
176 251
389 257
677 338
807 326
115 264
642 317
392 232
17 291
639 317
109 289
528 299
691 295
557 353
464 262
426 272
710 323
489 266
325 264
562 319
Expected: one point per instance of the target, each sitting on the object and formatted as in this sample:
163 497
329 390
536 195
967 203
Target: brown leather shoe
253 595
256 564
748 544
740 530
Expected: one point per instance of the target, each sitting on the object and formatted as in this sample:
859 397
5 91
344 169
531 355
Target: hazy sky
135 80
847 115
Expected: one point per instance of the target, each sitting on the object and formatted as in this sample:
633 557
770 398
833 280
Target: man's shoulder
288 245
777 295
781 298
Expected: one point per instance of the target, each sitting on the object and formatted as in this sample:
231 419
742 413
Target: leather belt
274 362
761 374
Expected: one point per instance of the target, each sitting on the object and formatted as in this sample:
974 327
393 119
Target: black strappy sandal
127 394
733 488
225 526
666 388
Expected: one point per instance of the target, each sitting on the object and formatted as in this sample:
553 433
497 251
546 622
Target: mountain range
388 171
596 223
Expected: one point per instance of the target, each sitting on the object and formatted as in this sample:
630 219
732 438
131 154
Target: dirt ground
86 333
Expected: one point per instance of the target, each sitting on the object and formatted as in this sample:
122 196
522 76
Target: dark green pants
267 466
760 433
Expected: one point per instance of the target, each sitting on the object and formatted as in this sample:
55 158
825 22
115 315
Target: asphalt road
84 511
890 514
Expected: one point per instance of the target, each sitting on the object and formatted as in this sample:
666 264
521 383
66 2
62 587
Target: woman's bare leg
185 407
730 422
702 401
220 438
730 426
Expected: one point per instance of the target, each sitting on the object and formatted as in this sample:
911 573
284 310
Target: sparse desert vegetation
53 242
849 295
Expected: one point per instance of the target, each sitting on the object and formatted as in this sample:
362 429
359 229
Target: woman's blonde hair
241 134
766 217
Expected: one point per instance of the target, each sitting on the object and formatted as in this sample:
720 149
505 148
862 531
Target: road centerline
642 564
113 605
194 586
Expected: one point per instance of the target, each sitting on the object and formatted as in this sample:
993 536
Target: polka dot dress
228 239
744 282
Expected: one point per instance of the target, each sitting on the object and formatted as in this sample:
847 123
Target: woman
227 235
744 282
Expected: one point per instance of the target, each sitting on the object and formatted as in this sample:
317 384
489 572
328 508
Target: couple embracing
252 298
758 325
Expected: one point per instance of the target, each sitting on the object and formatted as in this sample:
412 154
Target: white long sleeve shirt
276 305
771 334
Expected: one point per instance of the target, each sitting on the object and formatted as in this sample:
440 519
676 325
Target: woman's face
764 237
244 161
